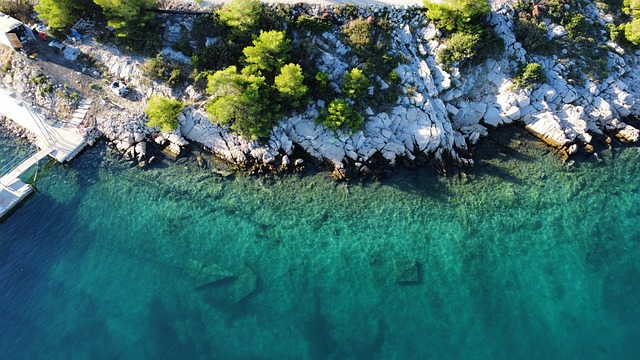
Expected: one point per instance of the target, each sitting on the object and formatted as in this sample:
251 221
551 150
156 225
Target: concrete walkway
61 143
66 142
12 189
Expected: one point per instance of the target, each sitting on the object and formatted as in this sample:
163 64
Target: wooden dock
60 142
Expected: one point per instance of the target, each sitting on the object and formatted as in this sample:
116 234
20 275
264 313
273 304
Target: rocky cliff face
440 115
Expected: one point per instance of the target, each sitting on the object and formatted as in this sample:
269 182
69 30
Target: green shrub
555 9
184 46
457 15
74 97
576 25
341 115
159 69
5 62
290 84
532 35
313 24
615 32
322 79
355 84
359 35
461 46
163 112
530 75
632 31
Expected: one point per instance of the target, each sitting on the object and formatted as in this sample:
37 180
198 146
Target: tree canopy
632 31
290 83
355 84
243 15
456 15
60 14
134 25
242 101
269 52
340 114
163 112
121 11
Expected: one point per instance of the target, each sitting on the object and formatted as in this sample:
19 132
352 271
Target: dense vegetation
159 69
19 9
134 27
250 101
163 112
464 25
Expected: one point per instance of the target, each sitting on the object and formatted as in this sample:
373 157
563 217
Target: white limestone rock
629 134
470 113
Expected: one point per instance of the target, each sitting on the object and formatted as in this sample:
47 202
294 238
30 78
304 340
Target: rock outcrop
439 117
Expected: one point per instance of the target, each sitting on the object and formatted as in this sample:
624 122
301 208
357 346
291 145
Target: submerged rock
205 275
407 271
211 274
244 284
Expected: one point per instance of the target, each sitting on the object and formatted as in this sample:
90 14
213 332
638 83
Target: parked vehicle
119 88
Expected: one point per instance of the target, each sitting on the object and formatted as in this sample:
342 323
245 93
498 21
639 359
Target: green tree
341 115
456 15
269 52
163 112
226 81
290 83
135 27
631 7
243 15
242 101
118 12
632 31
60 14
355 84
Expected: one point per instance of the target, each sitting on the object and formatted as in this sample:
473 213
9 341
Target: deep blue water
528 258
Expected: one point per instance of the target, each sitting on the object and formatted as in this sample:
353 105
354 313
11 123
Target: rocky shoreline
439 117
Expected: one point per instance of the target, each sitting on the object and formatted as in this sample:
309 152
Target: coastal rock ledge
439 117
442 113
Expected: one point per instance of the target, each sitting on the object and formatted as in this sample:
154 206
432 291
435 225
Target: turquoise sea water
528 258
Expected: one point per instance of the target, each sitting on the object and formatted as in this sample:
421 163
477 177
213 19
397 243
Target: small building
13 32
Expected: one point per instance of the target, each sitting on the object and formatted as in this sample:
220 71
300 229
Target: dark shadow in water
318 332
163 341
32 241
503 143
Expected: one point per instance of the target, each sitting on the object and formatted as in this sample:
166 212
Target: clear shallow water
529 259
